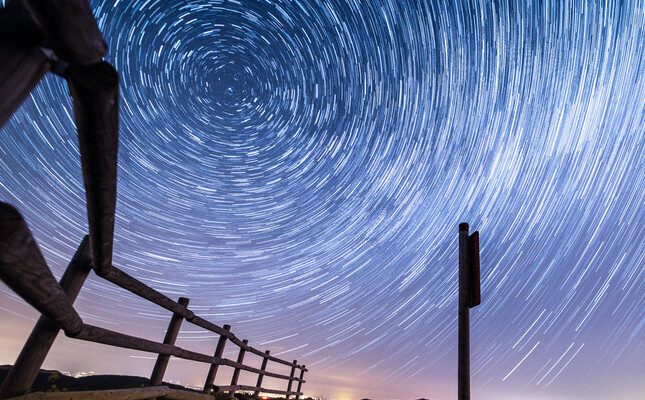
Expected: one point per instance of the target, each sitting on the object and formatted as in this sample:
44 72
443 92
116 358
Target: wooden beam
212 371
253 389
300 382
142 290
70 29
116 394
171 336
23 269
263 368
24 371
236 372
95 94
23 64
96 334
291 377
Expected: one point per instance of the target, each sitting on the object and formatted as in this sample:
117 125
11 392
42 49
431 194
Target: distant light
265 397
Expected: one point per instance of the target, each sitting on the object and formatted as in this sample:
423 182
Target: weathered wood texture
105 336
300 382
236 372
174 394
69 28
23 269
253 389
132 285
263 367
95 94
171 336
22 63
291 377
24 371
212 371
118 394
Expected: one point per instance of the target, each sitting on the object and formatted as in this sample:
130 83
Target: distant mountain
55 381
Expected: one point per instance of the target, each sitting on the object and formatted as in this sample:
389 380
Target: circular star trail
299 169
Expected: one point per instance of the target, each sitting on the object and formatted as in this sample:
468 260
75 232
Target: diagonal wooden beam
24 371
69 29
23 269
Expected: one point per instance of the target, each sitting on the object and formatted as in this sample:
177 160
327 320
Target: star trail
298 169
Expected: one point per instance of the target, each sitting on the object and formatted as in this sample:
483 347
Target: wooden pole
23 269
212 371
171 336
263 368
302 378
24 371
463 373
95 93
236 372
23 64
291 376
70 29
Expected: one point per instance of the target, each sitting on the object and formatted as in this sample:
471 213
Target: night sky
298 169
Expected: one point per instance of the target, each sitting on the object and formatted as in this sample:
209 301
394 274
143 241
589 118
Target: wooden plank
174 394
23 269
263 354
116 394
70 29
199 321
254 389
234 364
171 336
95 94
24 371
132 285
105 336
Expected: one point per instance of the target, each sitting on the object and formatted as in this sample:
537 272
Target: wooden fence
23 268
61 36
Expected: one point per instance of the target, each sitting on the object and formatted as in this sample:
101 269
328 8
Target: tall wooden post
95 94
171 336
236 372
302 377
469 296
263 368
291 376
22 375
212 372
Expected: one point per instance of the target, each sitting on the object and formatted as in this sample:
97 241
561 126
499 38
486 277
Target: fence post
22 375
171 336
236 372
263 368
95 94
210 378
302 377
291 376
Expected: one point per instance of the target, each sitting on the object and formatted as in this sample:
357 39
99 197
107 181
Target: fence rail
62 37
23 268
